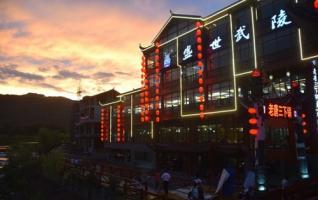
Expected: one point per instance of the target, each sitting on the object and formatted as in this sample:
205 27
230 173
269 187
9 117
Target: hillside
25 113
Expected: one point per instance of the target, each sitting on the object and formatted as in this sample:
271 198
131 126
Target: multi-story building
200 76
86 120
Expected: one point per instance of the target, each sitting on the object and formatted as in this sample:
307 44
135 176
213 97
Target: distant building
86 120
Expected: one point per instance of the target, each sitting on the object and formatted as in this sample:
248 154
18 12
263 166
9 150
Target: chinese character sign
240 34
279 111
166 60
216 43
187 53
280 20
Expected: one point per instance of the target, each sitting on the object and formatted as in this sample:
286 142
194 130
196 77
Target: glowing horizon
51 47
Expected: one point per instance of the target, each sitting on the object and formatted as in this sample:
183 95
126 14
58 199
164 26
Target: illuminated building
196 77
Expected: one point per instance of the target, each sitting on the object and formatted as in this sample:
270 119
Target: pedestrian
249 184
165 177
284 187
157 180
196 193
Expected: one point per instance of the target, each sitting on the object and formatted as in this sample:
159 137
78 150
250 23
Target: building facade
200 76
86 120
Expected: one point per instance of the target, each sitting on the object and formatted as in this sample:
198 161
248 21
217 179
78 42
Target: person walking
165 177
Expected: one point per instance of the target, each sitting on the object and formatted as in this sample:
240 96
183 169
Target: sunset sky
49 46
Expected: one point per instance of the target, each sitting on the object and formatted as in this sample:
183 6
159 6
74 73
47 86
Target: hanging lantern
199 47
157 51
157 91
201 98
202 115
200 72
199 55
157 119
157 57
200 64
142 94
146 119
198 24
157 44
157 71
146 100
157 106
142 113
201 107
199 40
157 98
142 119
147 112
157 64
157 112
253 131
200 81
201 90
146 94
198 32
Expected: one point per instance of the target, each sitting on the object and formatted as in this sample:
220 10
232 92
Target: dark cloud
46 85
102 75
68 74
7 72
123 73
19 28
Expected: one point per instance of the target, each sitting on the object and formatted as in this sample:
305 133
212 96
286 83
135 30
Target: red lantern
199 47
157 112
201 89
256 73
303 115
251 110
157 64
157 98
157 44
200 64
142 113
198 24
200 81
146 81
157 85
157 119
252 121
157 78
147 112
157 51
157 106
157 91
201 107
305 131
200 72
253 131
146 100
156 57
199 40
146 119
146 87
142 119
146 94
143 64
303 123
157 71
198 32
143 57
199 56
118 130
201 98
202 115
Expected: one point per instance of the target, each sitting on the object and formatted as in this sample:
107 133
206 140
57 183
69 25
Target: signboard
275 110
166 60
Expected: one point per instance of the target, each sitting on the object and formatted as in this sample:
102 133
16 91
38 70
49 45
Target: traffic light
256 85
253 121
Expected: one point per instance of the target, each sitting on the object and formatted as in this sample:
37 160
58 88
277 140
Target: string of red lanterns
198 35
157 82
143 94
104 124
120 127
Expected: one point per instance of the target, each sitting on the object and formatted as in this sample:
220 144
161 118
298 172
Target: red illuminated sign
275 110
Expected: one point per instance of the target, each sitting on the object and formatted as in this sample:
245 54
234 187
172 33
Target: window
220 95
191 96
171 75
171 100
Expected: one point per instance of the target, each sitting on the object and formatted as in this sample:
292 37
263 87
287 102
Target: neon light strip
234 81
167 22
217 19
110 123
131 115
151 130
128 93
111 103
234 5
301 48
254 38
242 74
